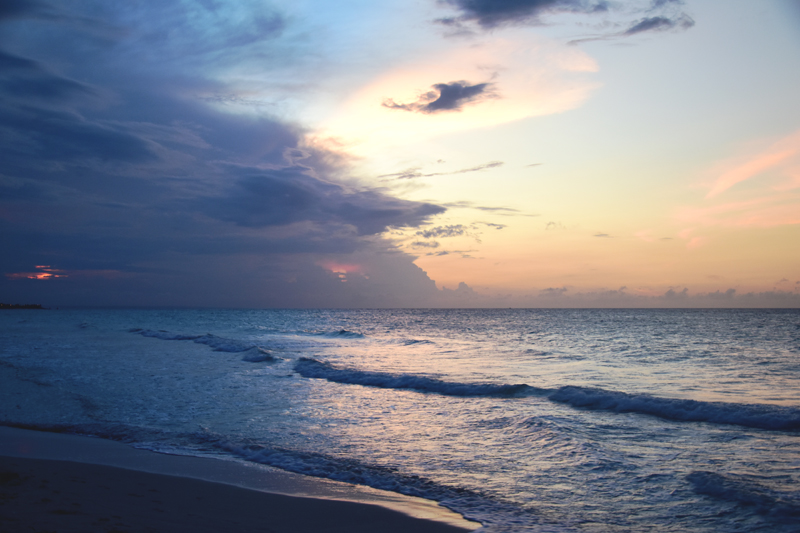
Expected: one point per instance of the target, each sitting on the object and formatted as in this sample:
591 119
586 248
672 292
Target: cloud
781 157
759 188
443 231
659 15
492 13
451 96
602 235
119 173
566 297
495 226
506 211
274 197
424 244
413 173
660 23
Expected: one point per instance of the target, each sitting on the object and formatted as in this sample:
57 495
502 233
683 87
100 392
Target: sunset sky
501 153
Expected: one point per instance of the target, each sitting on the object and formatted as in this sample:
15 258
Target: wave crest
219 344
760 416
311 368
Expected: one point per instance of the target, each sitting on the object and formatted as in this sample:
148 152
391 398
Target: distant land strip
21 306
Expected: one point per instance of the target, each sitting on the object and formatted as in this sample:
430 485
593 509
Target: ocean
520 419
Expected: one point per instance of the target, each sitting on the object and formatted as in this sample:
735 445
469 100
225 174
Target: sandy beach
48 484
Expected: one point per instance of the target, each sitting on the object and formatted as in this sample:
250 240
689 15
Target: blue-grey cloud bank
127 181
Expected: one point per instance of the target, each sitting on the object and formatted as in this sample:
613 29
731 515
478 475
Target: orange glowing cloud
341 268
45 272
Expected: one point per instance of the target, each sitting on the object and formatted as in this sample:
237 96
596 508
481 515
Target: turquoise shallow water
525 420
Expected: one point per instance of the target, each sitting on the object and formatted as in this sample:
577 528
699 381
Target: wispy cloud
416 172
757 189
506 211
781 157
764 212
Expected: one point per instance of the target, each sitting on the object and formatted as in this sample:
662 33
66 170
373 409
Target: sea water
523 420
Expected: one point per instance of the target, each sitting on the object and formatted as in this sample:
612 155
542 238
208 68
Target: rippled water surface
525 420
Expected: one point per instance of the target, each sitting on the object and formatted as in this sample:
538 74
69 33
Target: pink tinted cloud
782 157
765 212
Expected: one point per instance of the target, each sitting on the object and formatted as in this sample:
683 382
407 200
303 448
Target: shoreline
97 474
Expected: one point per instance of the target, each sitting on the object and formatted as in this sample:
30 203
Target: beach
47 483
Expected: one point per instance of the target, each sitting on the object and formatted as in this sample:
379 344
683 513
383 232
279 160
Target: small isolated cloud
682 21
553 225
445 97
603 235
495 226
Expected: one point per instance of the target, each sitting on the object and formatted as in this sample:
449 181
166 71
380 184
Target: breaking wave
761 416
311 368
219 344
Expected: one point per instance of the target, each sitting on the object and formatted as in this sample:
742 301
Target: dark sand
46 495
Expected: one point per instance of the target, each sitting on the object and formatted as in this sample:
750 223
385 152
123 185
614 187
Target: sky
414 153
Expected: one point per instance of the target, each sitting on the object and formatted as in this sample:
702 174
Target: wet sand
47 483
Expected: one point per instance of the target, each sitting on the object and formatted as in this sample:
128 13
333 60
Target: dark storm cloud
116 167
445 97
492 13
262 198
